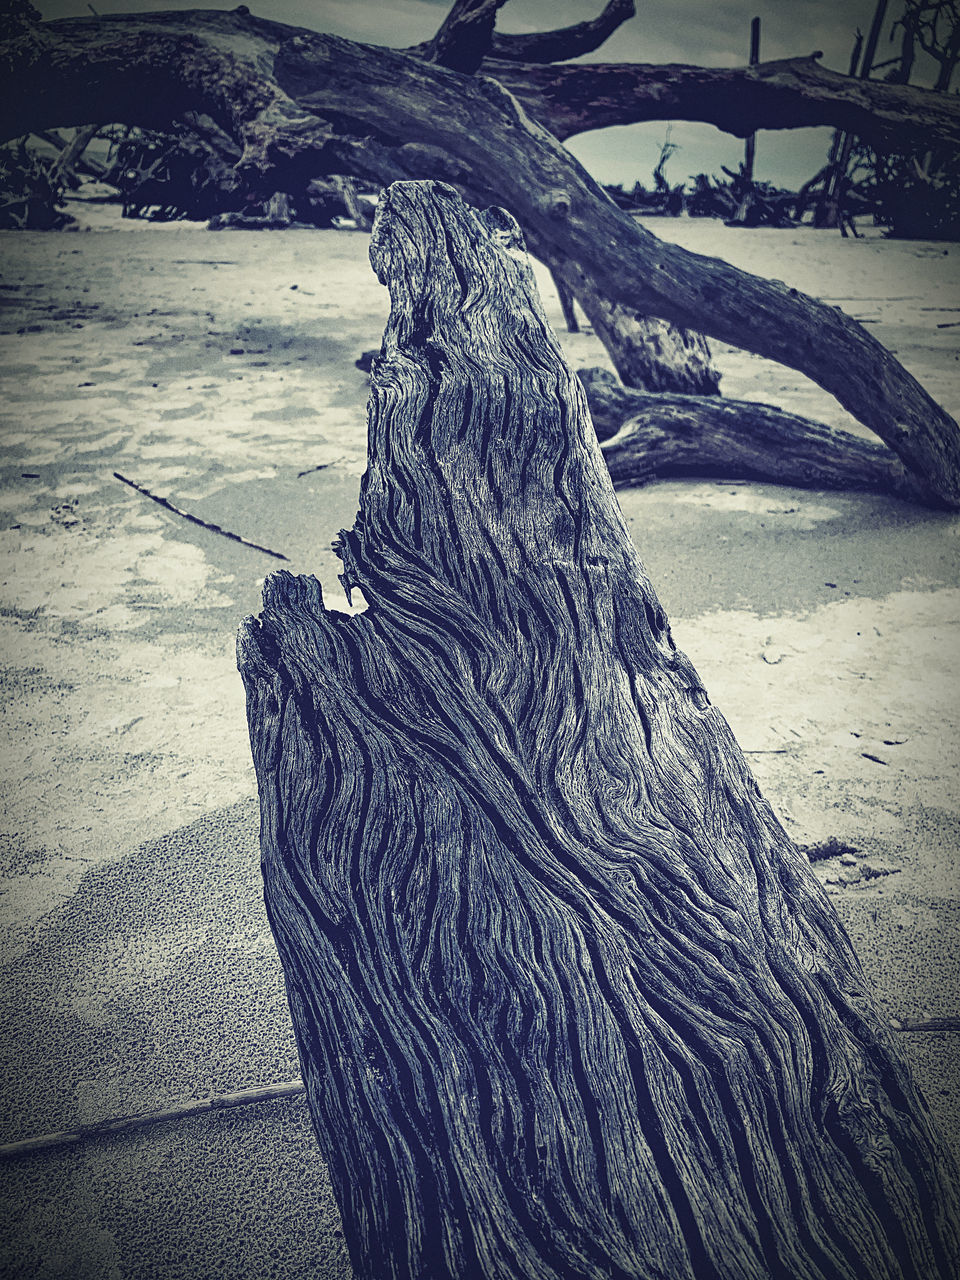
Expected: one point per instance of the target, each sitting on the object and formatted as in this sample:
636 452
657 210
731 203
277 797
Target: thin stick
204 524
266 1093
122 1124
925 1024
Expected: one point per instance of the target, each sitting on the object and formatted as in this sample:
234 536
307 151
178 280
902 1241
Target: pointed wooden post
750 147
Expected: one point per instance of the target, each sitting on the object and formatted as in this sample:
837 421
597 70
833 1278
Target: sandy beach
217 370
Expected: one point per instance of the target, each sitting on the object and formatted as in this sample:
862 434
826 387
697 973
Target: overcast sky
708 32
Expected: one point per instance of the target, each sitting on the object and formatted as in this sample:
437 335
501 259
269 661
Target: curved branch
790 94
568 214
566 99
565 42
283 104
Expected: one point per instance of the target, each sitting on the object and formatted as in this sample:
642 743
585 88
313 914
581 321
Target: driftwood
570 221
569 1003
287 97
347 190
464 36
649 437
152 62
791 93
947 1023
647 353
70 157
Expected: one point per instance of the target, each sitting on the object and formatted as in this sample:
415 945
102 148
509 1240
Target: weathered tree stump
569 1002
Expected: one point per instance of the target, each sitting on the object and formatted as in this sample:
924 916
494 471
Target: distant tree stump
569 1002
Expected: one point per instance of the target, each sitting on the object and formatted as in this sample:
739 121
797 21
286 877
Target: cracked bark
569 1002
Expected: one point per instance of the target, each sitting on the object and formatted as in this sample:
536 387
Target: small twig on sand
925 1024
123 1124
204 524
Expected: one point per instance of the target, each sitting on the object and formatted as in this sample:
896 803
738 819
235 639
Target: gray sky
695 31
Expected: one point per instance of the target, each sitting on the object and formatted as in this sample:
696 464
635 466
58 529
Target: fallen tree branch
142 1119
568 218
646 352
792 93
567 99
555 46
203 524
653 437
287 95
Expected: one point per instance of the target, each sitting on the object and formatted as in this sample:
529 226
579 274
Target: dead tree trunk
347 190
569 1003
648 354
567 303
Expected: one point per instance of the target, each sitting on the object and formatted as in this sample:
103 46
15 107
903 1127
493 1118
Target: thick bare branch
284 104
569 217
465 37
789 94
566 99
565 42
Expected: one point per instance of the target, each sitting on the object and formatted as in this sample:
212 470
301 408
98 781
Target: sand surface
138 968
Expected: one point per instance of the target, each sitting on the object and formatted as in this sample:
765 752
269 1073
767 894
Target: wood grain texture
569 1003
646 352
